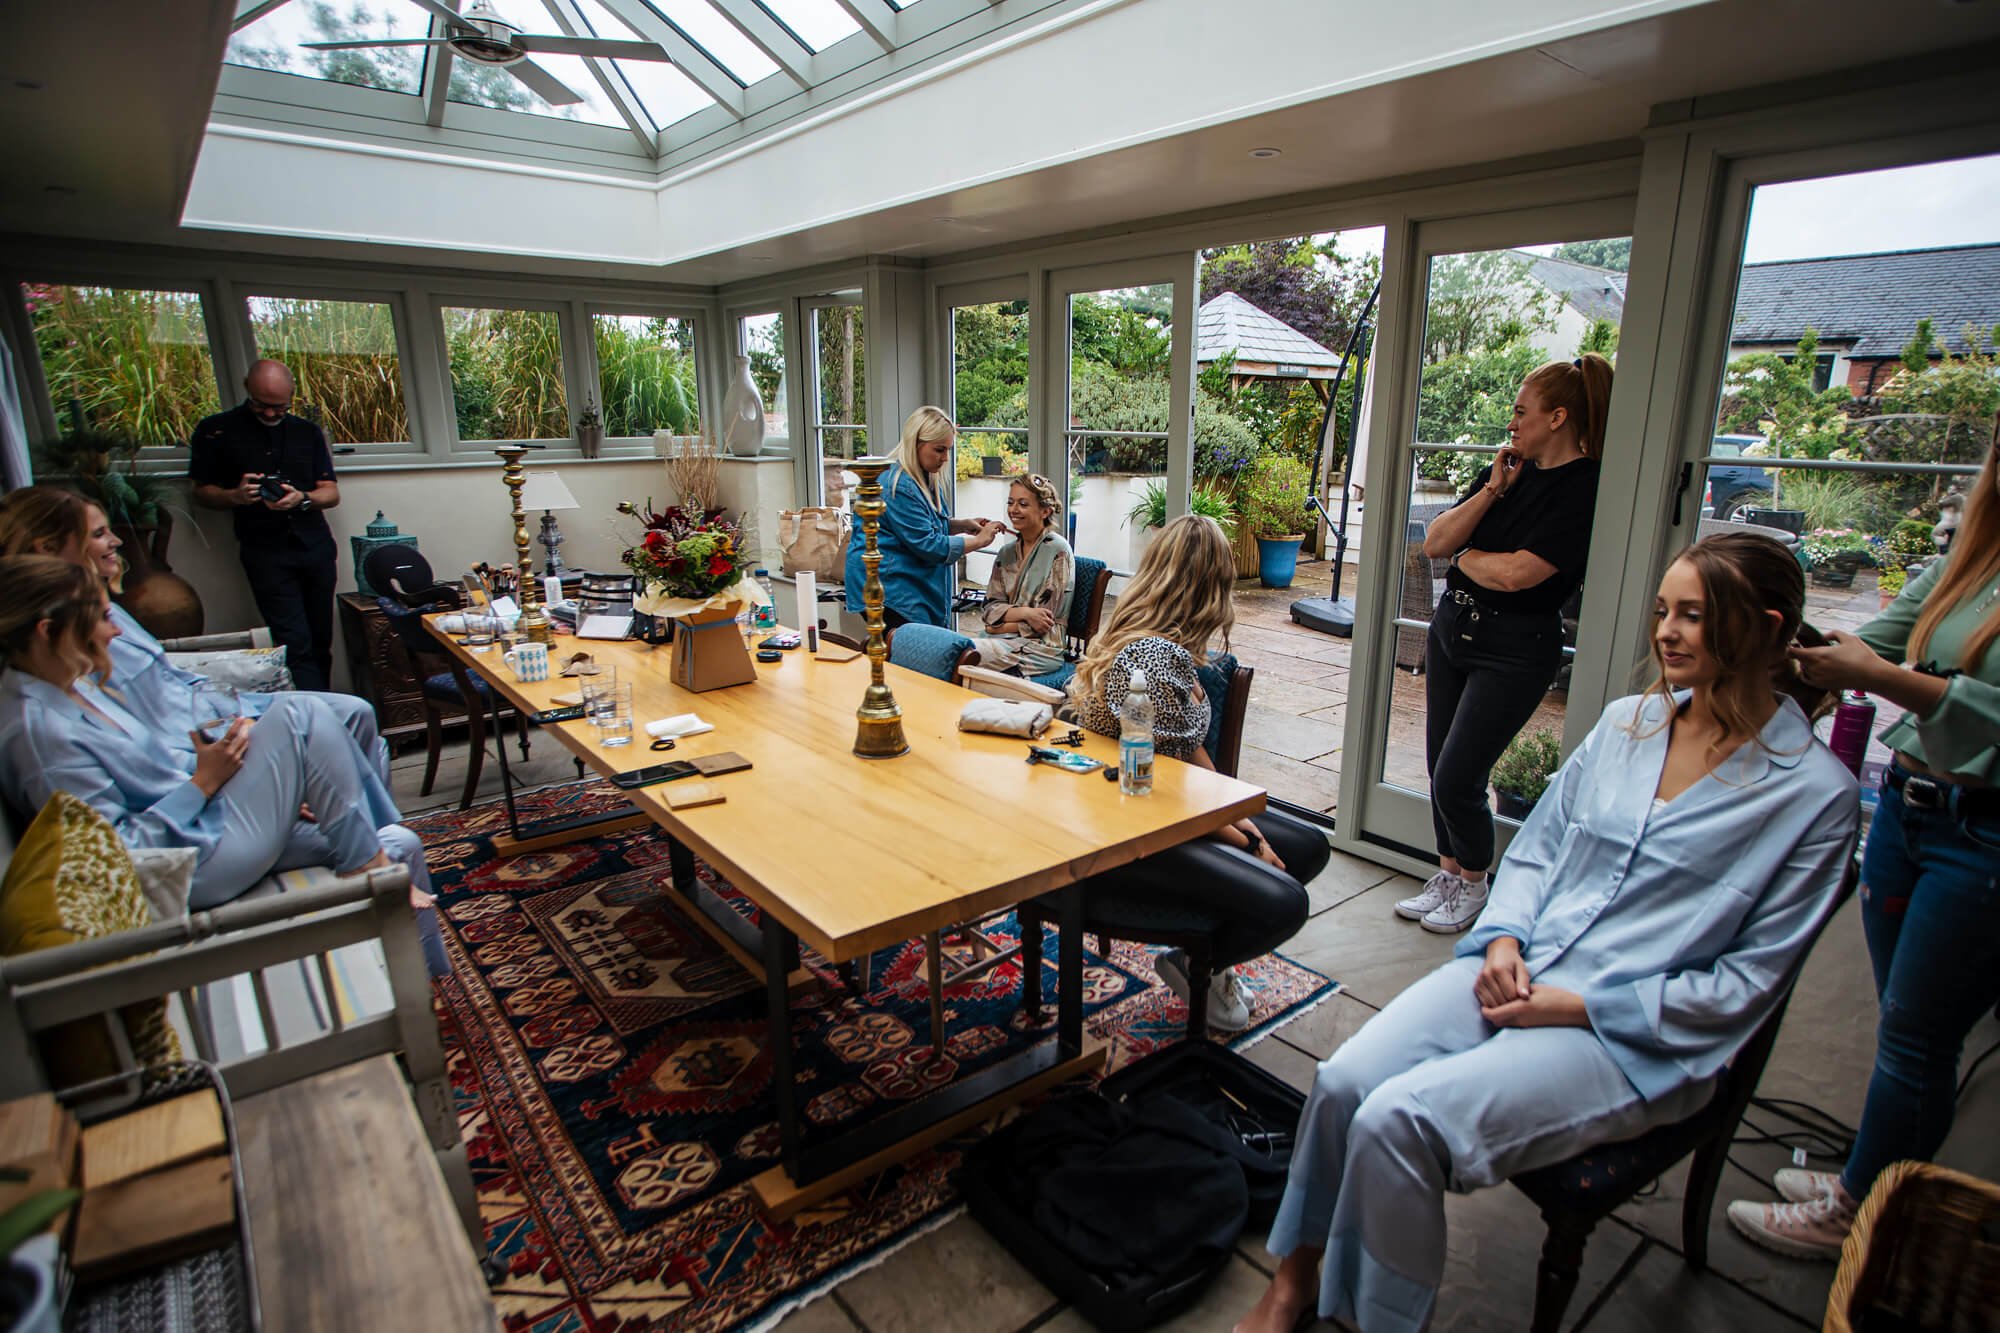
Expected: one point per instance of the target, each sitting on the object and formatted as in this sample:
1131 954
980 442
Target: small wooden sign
687 795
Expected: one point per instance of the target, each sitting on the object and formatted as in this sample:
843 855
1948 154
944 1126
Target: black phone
570 713
786 640
646 777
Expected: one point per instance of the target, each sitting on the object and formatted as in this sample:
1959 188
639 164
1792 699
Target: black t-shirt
1546 512
230 444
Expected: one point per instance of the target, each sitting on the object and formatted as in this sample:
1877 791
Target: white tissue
681 724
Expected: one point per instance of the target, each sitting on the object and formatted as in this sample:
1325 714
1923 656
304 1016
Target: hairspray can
1853 722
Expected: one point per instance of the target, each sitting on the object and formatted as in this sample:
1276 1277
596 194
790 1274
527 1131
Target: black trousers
1249 906
294 592
1484 676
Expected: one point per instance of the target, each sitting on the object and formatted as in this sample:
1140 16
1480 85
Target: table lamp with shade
545 491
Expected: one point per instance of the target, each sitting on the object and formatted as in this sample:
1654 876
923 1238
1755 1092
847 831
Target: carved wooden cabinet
381 670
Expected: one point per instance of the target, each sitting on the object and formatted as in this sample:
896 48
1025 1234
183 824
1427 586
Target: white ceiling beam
634 115
792 57
692 61
876 19
249 11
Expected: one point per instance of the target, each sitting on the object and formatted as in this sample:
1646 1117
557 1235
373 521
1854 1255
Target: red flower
655 541
718 565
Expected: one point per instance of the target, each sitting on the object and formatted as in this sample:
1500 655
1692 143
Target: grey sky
1950 203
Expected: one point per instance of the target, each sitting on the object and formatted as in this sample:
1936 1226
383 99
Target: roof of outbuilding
1595 293
1228 323
1870 304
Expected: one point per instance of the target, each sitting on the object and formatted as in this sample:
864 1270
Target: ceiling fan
480 34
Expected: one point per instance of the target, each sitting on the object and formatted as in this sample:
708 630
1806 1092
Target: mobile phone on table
785 640
655 773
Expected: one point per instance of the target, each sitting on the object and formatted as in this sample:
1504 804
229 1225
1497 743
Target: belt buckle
1924 793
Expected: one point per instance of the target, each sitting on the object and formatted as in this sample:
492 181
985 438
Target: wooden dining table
849 855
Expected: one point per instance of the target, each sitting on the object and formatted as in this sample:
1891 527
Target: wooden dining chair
449 690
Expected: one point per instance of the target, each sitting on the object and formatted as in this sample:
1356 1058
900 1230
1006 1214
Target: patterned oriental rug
613 1083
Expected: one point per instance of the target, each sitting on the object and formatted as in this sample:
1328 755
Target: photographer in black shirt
1517 542
274 471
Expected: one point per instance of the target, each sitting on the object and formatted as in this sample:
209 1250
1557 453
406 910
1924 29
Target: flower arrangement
1841 547
685 553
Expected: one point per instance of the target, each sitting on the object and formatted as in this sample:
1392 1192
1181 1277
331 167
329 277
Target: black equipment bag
1127 1201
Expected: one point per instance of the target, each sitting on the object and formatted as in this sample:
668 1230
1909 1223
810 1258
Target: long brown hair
1744 577
42 520
46 587
1973 564
1581 388
1180 592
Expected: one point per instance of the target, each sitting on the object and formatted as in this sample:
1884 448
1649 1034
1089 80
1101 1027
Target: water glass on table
592 689
480 631
614 714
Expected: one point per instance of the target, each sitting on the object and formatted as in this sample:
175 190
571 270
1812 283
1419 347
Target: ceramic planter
1277 560
1511 805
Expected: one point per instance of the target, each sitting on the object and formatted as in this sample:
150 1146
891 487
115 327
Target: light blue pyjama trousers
1429 1096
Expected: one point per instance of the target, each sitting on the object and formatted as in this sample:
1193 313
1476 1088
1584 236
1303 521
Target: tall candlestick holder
880 733
534 624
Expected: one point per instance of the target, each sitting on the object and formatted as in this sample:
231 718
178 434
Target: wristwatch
305 504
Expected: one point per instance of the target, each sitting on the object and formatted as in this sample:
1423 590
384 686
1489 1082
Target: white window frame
379 451
808 344
552 450
706 405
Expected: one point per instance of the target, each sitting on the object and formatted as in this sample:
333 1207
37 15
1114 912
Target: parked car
1732 488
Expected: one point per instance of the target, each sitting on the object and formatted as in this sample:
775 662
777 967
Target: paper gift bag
708 651
814 540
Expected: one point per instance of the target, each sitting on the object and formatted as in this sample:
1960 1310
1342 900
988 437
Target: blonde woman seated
1028 595
1245 883
235 798
1642 925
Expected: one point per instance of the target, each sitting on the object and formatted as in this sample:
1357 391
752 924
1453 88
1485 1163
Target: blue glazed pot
1277 560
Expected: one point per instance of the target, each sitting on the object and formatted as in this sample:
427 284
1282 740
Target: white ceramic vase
743 414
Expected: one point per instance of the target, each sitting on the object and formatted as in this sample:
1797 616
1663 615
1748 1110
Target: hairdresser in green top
1929 901
919 539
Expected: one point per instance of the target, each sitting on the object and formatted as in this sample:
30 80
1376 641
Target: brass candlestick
534 624
880 734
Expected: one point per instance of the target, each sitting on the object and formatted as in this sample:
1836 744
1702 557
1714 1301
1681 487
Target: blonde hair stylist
919 539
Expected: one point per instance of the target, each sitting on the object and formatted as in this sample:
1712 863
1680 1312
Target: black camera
271 487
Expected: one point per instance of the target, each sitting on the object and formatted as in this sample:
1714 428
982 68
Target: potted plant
1148 514
1891 585
992 462
1274 503
1522 774
1835 554
589 430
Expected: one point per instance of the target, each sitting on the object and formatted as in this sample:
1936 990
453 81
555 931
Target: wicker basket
1924 1254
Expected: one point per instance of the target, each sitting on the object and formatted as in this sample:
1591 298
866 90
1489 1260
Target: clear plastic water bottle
1135 740
767 614
1852 723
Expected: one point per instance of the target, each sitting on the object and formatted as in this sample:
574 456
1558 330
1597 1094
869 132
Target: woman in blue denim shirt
919 539
1930 879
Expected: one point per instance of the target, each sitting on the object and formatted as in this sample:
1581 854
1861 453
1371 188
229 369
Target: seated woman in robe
47 520
234 798
1643 923
1027 598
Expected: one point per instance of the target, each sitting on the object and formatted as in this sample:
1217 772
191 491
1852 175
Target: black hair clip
1074 738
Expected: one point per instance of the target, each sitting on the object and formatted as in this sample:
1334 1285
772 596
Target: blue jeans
1930 887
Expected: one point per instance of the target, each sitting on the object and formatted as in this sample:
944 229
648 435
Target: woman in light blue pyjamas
235 799
46 520
1641 926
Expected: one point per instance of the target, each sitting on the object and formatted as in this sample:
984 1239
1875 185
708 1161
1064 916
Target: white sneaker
1228 998
1458 911
1800 1186
1815 1229
1439 889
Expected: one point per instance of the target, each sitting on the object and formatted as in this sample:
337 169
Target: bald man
273 471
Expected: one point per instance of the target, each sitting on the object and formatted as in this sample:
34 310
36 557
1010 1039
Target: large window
646 374
1120 346
276 42
344 362
761 337
506 373
128 361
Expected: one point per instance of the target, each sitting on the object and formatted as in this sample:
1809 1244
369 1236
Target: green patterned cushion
71 879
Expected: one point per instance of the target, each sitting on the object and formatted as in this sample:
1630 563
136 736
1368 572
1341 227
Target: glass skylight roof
273 42
726 60
817 23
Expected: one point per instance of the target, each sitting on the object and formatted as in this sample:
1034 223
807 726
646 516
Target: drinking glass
593 689
614 714
480 631
216 706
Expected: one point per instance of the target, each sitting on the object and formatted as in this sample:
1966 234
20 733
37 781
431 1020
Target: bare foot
1288 1302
